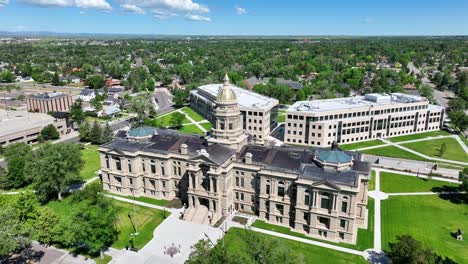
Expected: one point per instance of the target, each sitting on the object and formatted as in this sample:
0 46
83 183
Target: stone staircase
200 214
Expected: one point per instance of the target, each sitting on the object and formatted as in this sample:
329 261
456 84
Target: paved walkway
192 120
377 220
418 175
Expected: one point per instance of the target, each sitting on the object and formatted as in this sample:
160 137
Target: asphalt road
164 100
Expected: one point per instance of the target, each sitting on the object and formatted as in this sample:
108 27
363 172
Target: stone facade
354 119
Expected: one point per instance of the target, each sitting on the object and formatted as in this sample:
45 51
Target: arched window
344 205
325 201
280 188
268 187
306 197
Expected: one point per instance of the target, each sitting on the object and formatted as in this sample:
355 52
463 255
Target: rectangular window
153 168
242 182
324 221
118 165
344 206
343 223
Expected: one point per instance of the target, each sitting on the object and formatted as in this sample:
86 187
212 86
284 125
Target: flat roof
46 96
18 121
245 98
347 103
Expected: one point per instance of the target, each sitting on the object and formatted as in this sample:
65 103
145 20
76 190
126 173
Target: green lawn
393 152
364 242
143 199
372 181
191 129
147 218
92 163
234 242
194 115
428 219
363 144
431 148
420 135
105 260
165 121
395 183
207 126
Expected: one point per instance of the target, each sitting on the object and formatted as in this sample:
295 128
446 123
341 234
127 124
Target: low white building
87 95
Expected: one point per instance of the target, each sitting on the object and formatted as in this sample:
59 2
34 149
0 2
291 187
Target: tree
17 156
177 119
3 179
463 178
142 105
7 77
96 103
442 149
56 80
410 251
300 95
76 112
107 134
459 119
95 81
256 68
181 96
95 134
47 227
85 131
27 208
55 168
50 132
426 91
14 236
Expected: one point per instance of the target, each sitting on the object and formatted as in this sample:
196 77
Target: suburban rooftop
369 100
245 98
17 121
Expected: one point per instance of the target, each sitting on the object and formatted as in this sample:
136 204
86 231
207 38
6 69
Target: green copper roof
333 156
141 132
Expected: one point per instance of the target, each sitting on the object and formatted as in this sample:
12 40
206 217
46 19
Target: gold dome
226 94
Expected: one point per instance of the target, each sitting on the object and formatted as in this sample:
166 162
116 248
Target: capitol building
320 192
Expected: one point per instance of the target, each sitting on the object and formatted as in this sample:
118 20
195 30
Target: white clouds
240 10
163 14
194 17
165 9
4 2
97 4
133 9
94 4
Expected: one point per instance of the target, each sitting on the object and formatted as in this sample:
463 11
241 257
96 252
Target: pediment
203 159
326 185
115 152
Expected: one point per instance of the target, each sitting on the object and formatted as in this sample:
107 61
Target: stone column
211 184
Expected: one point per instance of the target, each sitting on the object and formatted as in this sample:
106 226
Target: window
343 223
324 221
267 186
143 165
162 169
280 188
306 216
325 201
344 205
280 209
341 235
164 184
107 161
307 197
118 165
153 168
130 181
129 166
237 181
242 182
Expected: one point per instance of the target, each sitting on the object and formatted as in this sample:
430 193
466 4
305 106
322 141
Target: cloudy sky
238 17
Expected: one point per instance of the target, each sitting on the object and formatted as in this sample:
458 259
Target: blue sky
238 17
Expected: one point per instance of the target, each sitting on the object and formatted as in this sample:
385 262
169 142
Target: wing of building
354 119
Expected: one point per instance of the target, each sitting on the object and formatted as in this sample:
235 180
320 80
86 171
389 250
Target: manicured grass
194 115
234 242
429 219
419 136
207 126
92 163
105 260
372 181
365 237
361 245
393 152
281 118
431 148
395 183
147 220
191 129
165 121
143 199
363 144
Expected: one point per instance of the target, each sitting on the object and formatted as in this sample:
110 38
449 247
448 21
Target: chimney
248 158
184 149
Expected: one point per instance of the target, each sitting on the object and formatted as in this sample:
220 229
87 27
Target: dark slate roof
347 177
87 92
170 141
278 157
60 115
